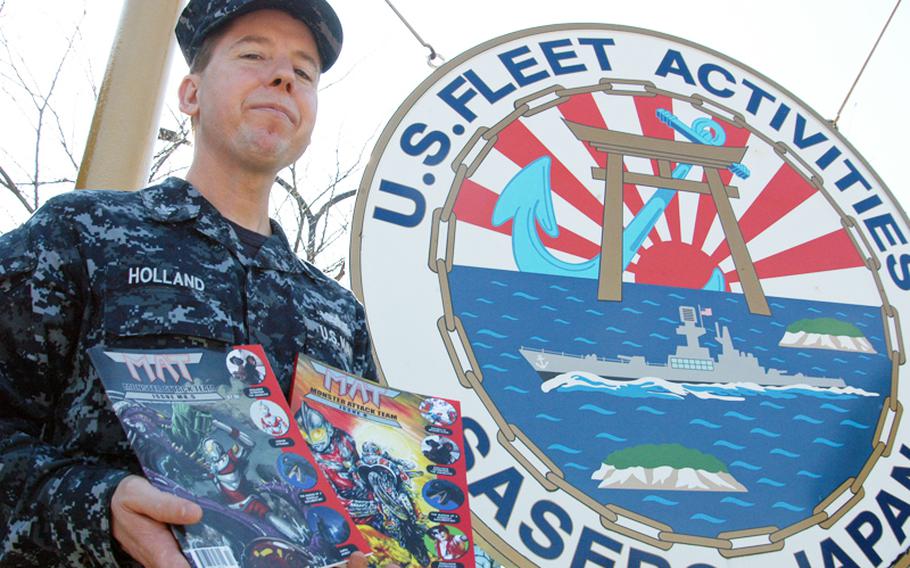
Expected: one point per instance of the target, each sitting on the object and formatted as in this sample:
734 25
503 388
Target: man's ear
189 95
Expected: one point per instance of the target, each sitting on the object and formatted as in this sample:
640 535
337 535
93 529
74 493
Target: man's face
255 101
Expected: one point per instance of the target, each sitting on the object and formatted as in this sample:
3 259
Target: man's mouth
278 109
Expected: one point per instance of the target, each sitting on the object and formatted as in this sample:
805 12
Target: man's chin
272 153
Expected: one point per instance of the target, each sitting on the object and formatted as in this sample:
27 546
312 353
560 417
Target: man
192 262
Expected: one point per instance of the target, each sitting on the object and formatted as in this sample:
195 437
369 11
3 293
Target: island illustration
665 467
825 333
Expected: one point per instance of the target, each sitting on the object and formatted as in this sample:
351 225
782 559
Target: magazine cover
395 459
214 427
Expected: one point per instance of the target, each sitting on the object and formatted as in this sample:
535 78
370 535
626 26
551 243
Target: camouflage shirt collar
172 201
276 253
176 200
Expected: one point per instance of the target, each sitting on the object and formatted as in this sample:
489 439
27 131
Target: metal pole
119 149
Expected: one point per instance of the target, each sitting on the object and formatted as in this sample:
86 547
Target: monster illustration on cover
394 459
213 427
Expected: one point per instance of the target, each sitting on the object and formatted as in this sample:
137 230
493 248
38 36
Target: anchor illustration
527 201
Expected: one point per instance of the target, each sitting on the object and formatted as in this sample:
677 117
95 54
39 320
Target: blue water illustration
789 446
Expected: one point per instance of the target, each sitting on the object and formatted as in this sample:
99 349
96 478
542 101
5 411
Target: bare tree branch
42 104
63 139
173 139
11 185
45 102
336 80
340 265
52 181
303 212
335 200
313 232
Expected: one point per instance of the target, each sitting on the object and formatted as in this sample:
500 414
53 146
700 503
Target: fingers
138 516
149 542
138 495
358 560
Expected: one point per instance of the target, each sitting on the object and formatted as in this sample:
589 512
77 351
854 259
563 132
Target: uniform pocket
157 310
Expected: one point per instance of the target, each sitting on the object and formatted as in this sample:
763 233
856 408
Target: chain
519 446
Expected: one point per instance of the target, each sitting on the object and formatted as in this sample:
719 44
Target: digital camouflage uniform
155 268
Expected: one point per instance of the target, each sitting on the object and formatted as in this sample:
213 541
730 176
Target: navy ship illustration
691 363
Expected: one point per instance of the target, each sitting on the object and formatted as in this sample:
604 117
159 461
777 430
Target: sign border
488 536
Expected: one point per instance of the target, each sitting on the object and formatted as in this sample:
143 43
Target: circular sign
440 450
269 417
438 411
245 367
667 293
297 471
442 494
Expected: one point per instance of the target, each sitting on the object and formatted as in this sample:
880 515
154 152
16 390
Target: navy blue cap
202 17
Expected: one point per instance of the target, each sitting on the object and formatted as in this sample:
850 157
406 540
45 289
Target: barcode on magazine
214 557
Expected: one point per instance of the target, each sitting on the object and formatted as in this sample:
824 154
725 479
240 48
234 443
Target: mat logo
157 367
661 284
352 388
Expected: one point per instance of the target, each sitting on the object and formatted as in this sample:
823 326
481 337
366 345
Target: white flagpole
119 148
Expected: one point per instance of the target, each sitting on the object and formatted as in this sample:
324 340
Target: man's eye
251 56
302 73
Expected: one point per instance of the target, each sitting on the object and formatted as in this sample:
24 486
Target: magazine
214 427
395 460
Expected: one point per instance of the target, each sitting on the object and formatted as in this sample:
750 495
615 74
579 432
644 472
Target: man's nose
282 74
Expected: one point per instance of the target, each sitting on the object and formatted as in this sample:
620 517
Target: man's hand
139 517
358 560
